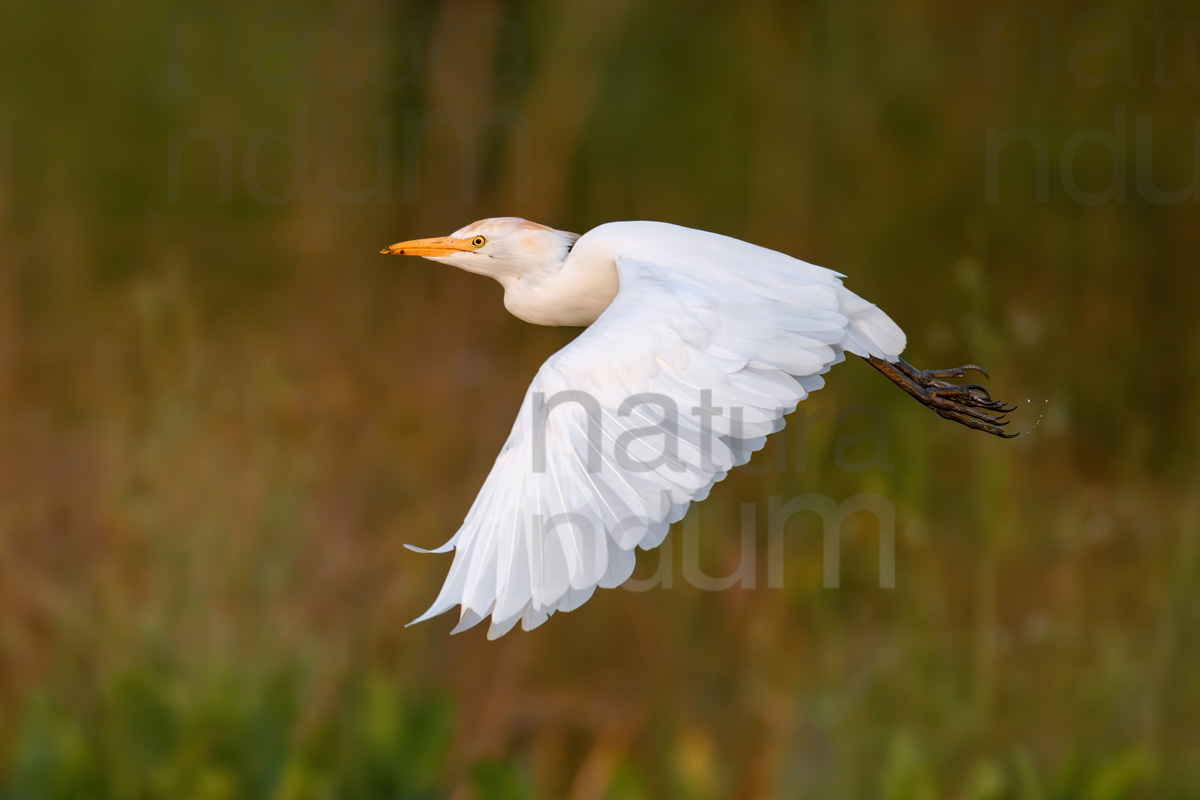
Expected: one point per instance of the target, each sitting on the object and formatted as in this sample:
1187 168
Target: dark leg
968 404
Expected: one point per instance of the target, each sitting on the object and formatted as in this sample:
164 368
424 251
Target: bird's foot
968 404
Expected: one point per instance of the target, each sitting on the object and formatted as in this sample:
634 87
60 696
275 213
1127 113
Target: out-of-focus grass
244 735
219 421
146 733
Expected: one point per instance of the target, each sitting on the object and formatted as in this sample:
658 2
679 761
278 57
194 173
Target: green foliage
245 739
222 416
150 735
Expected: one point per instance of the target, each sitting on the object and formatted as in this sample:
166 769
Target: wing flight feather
704 350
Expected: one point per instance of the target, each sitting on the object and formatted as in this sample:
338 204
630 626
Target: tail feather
871 332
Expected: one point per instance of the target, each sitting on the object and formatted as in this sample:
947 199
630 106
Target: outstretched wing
708 344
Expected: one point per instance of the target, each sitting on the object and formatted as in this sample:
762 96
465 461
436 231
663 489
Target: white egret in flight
697 345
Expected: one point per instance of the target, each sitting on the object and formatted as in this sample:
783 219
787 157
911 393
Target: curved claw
984 424
968 397
967 404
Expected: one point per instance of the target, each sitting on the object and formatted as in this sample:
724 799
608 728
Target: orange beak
440 246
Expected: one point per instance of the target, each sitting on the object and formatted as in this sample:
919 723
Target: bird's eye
478 241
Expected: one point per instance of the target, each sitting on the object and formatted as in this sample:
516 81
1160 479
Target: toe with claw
968 404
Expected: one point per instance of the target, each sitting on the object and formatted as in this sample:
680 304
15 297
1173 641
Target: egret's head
501 247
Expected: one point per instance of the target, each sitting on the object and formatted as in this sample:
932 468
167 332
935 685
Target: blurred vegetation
222 413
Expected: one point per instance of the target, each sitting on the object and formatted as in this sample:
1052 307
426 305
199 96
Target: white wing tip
446 548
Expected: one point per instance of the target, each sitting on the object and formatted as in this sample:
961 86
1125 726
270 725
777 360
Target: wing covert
698 359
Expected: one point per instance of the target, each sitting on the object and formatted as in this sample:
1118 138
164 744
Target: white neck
573 291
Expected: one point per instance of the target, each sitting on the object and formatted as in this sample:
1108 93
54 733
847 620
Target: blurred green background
222 413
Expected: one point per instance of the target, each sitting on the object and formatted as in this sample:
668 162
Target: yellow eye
478 241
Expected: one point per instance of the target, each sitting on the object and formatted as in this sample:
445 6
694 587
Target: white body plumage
698 346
